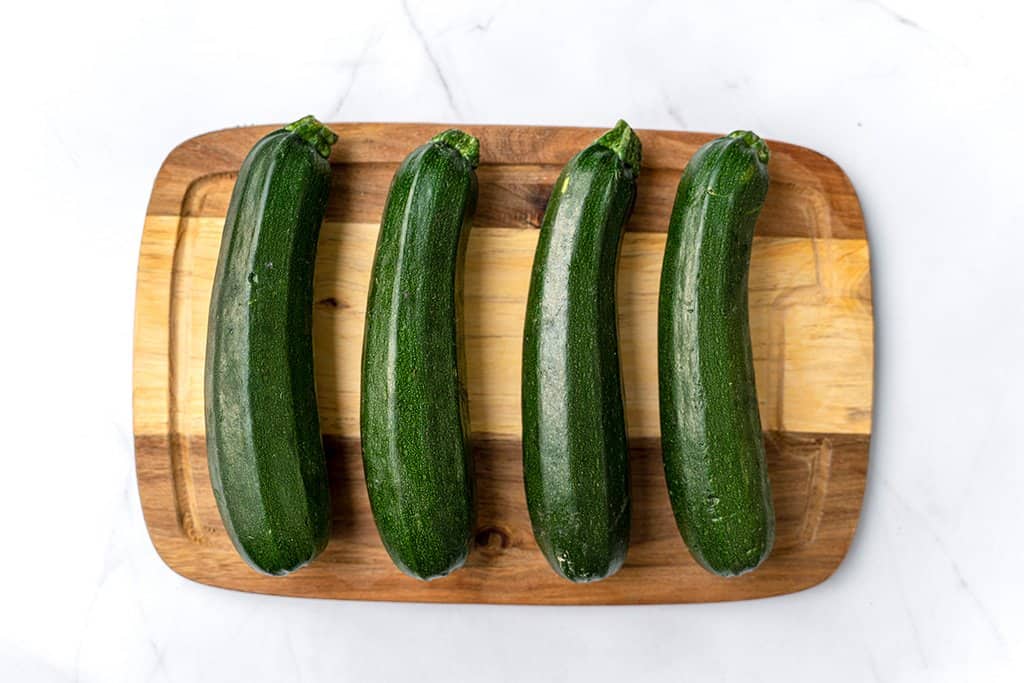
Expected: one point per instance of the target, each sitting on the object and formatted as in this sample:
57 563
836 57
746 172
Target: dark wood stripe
817 479
810 195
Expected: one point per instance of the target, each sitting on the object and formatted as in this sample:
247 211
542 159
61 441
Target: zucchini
263 443
711 438
414 421
575 454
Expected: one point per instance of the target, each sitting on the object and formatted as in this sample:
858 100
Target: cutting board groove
811 320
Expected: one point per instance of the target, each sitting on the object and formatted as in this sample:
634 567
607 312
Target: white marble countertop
920 102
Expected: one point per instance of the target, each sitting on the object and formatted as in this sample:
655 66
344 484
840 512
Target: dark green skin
711 437
416 448
263 440
575 453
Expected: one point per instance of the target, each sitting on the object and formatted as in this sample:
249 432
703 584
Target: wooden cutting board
811 319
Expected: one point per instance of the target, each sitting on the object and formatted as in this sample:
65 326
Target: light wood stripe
810 324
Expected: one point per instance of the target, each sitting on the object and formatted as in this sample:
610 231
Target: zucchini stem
759 145
462 142
319 136
624 142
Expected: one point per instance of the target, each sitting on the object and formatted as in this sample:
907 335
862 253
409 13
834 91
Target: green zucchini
711 438
414 421
575 454
263 441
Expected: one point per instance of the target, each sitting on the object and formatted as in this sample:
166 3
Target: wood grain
811 319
